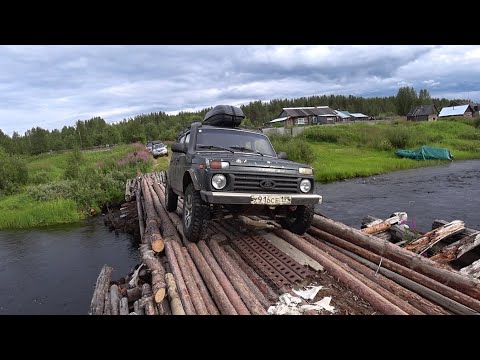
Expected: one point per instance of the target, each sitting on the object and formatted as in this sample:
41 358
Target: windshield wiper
212 147
242 148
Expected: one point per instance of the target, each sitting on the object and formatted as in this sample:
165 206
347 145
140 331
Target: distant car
159 149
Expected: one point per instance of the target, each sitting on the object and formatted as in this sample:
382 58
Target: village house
423 113
461 110
310 115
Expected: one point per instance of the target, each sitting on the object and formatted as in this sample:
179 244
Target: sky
51 86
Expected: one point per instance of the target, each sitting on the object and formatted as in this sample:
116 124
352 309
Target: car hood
246 161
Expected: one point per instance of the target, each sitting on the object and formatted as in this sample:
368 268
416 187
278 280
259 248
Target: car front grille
266 183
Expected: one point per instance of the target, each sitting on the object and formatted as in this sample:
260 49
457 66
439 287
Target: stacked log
210 277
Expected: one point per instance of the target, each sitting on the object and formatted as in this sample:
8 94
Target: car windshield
157 146
236 140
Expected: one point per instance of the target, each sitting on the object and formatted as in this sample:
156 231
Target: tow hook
292 207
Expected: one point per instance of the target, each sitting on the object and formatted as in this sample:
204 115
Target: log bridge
244 264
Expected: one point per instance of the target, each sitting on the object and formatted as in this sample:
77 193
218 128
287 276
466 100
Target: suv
159 149
221 169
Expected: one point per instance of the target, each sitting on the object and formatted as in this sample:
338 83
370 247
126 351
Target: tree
424 97
406 98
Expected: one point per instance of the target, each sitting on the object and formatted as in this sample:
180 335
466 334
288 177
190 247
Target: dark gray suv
221 169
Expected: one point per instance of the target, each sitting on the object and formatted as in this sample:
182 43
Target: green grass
358 150
21 211
65 187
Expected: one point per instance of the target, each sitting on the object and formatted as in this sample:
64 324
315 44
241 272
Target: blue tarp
426 152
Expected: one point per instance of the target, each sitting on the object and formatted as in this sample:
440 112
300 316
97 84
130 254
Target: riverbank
358 150
69 186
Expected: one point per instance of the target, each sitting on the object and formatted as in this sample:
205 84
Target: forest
159 125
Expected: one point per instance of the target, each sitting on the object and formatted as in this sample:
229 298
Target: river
448 192
53 270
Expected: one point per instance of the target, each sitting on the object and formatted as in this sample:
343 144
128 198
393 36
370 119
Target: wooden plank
457 249
473 269
430 238
291 251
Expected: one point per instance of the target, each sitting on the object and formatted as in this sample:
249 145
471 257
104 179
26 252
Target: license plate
271 200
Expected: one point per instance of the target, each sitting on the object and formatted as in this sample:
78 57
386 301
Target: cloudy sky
52 86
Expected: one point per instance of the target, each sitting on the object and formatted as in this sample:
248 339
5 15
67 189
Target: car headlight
305 171
305 185
219 181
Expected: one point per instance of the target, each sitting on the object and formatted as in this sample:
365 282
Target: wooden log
179 280
223 279
190 283
134 294
115 299
153 237
175 303
247 296
250 284
146 290
218 294
149 307
401 256
166 306
430 238
396 233
457 249
472 270
418 278
108 306
418 293
390 290
124 306
137 308
207 299
377 228
168 229
337 270
266 290
141 224
157 271
97 304
291 251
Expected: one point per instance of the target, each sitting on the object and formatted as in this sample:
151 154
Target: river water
53 270
448 192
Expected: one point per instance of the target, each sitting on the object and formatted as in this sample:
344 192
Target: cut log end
159 295
158 245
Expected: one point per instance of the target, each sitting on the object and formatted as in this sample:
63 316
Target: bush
40 177
400 137
13 172
52 191
75 160
476 123
296 148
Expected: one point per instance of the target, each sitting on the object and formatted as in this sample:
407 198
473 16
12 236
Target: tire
195 215
171 199
300 220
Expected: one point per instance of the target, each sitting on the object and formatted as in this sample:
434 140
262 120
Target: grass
359 150
21 211
69 186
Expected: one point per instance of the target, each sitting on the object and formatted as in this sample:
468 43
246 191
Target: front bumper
234 198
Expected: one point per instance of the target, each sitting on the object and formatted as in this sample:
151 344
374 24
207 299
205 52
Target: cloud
52 86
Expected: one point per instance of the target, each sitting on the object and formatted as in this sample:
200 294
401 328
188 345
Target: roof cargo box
224 115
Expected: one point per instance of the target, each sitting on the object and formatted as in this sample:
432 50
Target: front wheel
195 215
300 220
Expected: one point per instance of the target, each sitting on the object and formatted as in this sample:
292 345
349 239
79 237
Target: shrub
13 173
296 148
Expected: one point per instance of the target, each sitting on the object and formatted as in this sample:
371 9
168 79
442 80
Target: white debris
323 304
290 305
134 281
309 293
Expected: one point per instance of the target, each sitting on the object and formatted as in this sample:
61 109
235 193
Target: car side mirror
178 147
282 155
